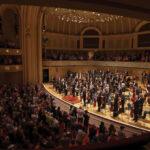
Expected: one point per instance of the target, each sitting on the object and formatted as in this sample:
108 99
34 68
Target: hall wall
122 25
117 34
11 77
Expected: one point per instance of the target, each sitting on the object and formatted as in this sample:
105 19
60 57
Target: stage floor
106 113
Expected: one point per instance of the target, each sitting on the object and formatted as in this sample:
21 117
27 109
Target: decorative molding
11 68
10 51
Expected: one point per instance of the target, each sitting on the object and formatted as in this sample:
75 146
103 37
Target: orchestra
117 90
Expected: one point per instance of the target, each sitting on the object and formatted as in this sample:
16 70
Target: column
31 20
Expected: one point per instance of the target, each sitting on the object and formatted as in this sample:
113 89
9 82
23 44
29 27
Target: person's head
102 123
71 107
86 111
122 127
111 127
72 142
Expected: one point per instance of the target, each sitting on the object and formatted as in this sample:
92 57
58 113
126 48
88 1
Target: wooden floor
106 113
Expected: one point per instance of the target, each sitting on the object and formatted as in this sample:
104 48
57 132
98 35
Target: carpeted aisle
72 99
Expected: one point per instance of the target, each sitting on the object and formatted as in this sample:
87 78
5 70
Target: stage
143 125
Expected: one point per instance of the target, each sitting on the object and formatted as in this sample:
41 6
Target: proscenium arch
31 18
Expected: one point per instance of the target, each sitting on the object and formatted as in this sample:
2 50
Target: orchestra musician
84 96
141 101
136 109
115 110
99 101
122 103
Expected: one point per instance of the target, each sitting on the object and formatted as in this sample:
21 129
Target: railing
10 51
138 65
10 68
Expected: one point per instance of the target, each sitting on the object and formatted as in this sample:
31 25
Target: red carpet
71 99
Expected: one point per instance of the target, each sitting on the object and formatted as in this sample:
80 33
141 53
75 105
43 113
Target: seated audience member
100 56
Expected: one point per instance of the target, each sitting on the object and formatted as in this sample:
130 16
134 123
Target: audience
60 55
9 44
10 60
134 56
30 120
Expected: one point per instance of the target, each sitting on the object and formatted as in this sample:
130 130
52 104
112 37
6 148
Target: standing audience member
86 120
121 133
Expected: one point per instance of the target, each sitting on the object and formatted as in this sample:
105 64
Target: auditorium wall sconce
7 68
17 67
7 50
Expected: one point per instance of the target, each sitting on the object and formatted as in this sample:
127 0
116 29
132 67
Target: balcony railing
138 65
9 51
10 68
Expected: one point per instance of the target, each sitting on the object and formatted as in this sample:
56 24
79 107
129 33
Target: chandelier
80 16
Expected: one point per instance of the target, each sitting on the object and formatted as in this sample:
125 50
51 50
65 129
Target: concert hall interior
74 74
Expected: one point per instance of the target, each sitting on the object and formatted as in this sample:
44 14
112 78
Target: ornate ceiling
79 16
131 8
70 21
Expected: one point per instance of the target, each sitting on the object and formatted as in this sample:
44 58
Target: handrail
138 65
